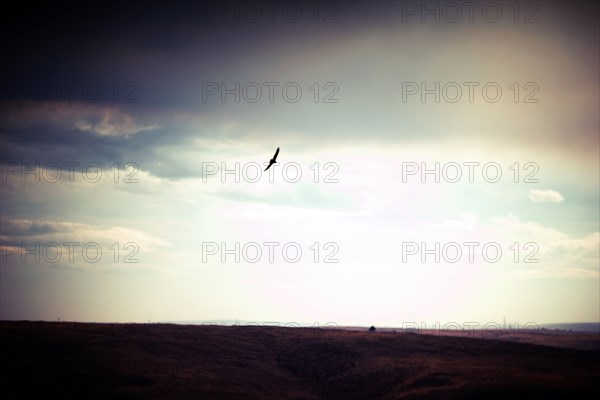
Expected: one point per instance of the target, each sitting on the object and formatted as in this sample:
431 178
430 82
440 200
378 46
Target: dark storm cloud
162 47
167 49
149 61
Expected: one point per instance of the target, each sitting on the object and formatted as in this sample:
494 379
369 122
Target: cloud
560 255
111 123
543 196
101 120
468 221
22 230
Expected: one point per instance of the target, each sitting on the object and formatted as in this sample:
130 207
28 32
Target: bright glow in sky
429 171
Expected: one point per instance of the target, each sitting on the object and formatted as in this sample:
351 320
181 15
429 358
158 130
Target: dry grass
77 360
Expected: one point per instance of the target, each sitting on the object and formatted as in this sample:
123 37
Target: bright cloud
545 196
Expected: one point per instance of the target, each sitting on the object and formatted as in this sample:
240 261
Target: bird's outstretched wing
273 160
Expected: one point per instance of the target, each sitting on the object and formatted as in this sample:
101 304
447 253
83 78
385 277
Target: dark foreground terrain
157 361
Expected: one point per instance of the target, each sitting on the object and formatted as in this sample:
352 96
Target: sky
439 161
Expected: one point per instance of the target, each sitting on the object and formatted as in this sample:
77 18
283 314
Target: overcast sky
439 161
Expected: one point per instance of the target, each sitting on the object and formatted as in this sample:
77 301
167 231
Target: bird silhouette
273 160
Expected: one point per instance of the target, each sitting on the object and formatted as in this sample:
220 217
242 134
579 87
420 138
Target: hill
158 361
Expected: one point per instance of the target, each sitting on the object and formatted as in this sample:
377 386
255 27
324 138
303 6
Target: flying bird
273 160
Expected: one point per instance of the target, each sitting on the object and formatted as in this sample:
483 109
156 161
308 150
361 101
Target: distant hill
575 326
567 326
231 322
